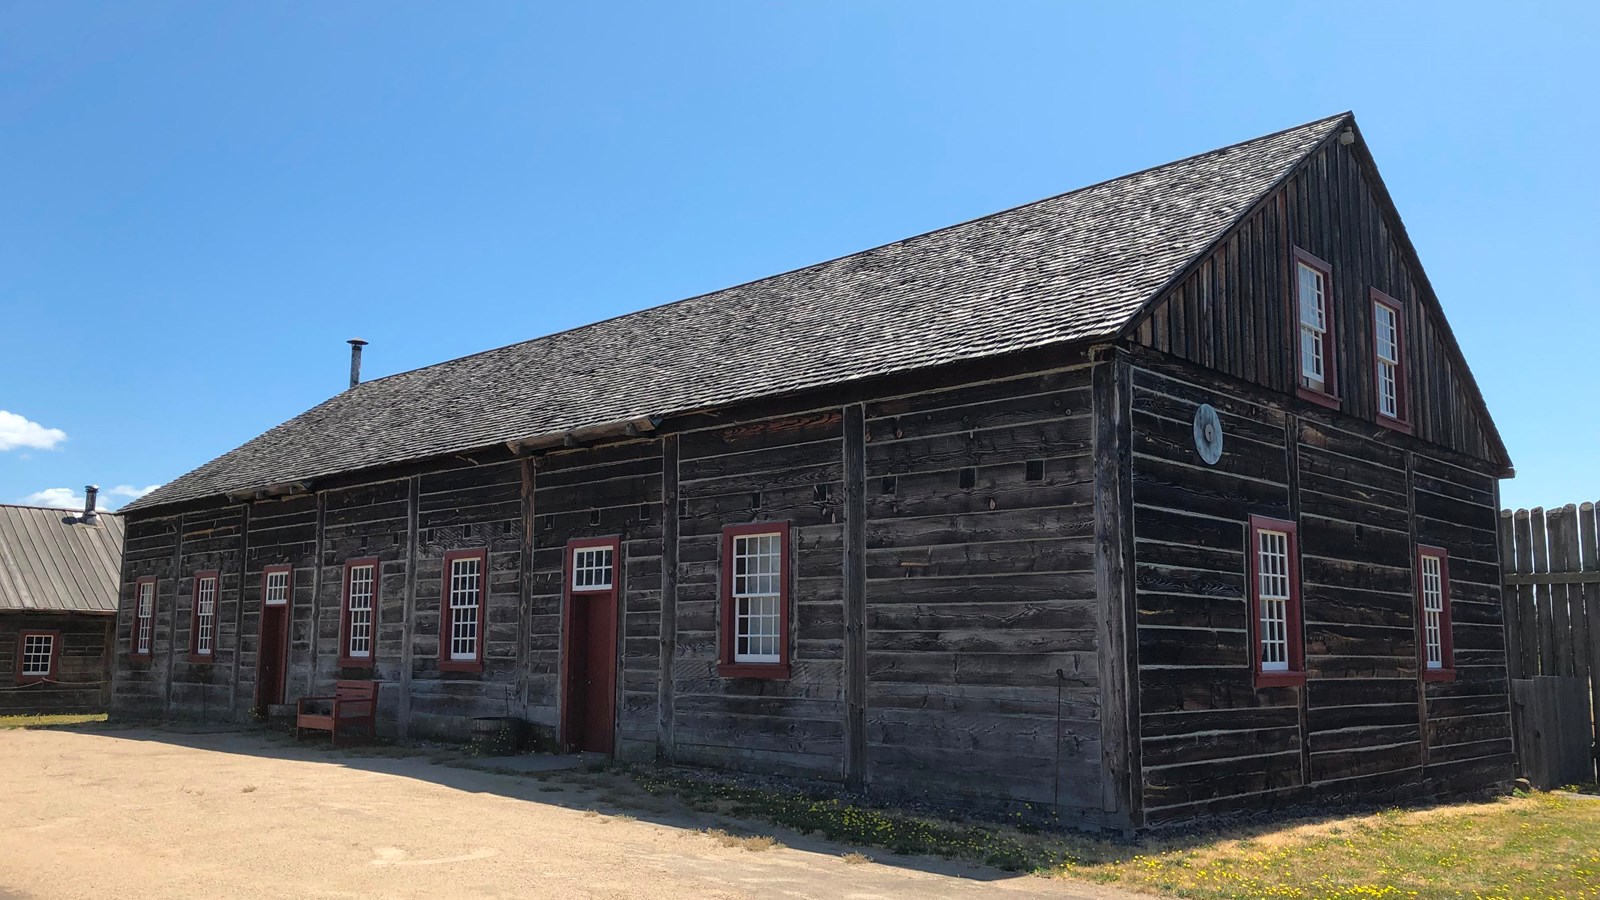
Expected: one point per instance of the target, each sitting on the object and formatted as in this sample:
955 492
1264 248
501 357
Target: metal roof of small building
1078 266
50 562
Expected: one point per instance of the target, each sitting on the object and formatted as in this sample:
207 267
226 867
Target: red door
272 662
591 645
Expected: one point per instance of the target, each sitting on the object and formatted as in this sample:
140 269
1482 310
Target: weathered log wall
81 682
1364 725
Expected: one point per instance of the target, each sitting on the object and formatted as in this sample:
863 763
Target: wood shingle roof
1071 268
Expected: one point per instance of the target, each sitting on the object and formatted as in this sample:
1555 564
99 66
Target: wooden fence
1550 560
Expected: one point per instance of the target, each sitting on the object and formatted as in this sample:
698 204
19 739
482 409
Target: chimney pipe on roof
355 360
90 491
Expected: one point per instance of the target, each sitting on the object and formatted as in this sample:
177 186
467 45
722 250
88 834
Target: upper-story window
1433 609
203 621
1274 561
1314 300
1388 351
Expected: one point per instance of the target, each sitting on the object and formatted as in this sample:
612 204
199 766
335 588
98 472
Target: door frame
283 632
611 595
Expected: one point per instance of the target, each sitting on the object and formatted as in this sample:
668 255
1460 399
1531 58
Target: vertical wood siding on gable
1235 314
976 597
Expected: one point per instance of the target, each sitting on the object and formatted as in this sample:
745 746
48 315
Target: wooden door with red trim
274 656
590 647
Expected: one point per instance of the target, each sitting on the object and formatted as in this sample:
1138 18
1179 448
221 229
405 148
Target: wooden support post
172 626
413 493
855 595
1118 664
1562 523
316 595
529 469
1589 544
238 614
1541 599
1416 617
665 748
1291 445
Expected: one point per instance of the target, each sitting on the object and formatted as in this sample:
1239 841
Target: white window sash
360 605
1273 596
466 588
1311 291
757 593
205 606
593 568
145 618
38 653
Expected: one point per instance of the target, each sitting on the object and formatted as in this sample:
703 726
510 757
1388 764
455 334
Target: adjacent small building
59 572
1165 497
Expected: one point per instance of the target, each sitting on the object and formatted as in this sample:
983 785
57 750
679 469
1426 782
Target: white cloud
16 431
132 493
60 498
67 498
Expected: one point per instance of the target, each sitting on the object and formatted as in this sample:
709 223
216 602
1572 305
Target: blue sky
203 201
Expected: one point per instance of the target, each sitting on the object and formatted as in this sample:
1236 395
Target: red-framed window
462 604
38 653
755 600
358 616
1389 361
1277 630
203 617
142 627
1435 647
1316 358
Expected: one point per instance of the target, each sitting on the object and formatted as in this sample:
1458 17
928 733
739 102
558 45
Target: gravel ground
102 811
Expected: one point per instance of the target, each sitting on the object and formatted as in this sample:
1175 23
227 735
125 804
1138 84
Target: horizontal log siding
1234 312
599 492
210 543
82 678
364 521
1468 721
282 531
1356 731
785 468
466 508
978 596
140 686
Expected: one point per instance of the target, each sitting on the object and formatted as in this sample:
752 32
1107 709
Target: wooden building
59 572
1167 496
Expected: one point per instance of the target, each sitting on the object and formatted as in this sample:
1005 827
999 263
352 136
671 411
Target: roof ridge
98 512
843 256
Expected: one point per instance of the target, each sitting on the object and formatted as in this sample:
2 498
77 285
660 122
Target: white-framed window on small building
1436 649
462 608
36 655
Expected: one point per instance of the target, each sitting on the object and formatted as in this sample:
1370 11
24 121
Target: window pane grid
205 606
1272 588
1433 611
757 594
277 588
1313 323
1386 338
465 586
591 569
37 652
145 617
362 581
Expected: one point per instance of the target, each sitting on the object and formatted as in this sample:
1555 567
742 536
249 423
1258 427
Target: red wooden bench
353 703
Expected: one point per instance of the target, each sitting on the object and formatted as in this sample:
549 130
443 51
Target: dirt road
157 813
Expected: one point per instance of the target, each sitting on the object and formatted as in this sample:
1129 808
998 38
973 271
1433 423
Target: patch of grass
248 789
1539 846
754 843
856 859
48 721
